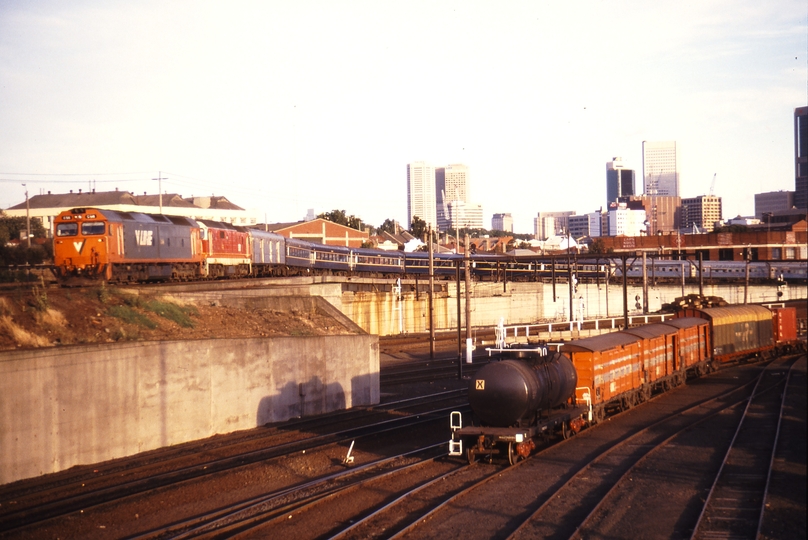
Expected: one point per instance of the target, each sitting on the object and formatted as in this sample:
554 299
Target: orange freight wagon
694 344
609 369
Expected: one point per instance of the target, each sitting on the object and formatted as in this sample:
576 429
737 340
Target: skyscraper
421 192
801 158
451 186
660 168
619 181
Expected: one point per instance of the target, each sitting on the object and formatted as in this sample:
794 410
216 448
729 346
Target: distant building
462 215
549 224
801 158
580 226
451 185
46 207
660 168
625 221
662 212
421 193
502 222
320 231
773 202
703 211
619 180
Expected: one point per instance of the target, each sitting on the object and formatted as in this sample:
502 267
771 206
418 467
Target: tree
11 227
418 227
389 226
599 246
342 218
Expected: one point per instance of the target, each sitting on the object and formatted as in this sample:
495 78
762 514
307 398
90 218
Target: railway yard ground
645 473
657 470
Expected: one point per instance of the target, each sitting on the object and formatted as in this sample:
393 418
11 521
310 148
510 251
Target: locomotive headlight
519 437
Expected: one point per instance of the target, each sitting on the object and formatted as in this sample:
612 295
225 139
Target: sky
285 106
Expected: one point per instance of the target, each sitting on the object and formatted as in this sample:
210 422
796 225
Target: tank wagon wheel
513 455
471 456
566 431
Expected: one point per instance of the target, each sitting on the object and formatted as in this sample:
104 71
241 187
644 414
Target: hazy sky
287 105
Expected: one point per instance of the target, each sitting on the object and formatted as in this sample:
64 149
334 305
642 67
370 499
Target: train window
89 228
67 229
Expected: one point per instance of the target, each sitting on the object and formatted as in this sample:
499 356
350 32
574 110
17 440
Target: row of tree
15 228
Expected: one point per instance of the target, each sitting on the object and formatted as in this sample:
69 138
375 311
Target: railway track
36 502
399 488
736 501
565 501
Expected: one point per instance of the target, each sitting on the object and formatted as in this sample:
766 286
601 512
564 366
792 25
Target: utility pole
467 266
625 293
459 323
160 188
431 289
569 272
644 284
27 217
746 283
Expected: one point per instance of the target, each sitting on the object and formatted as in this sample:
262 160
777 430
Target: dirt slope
45 317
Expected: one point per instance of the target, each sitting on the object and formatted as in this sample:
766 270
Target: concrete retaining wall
524 303
67 406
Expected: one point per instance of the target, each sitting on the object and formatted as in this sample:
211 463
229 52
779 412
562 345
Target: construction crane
712 185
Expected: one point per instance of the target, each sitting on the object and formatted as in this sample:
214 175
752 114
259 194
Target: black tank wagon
528 393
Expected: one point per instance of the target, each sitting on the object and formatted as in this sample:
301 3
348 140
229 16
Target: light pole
746 283
27 217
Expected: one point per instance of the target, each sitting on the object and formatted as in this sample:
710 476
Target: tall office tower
619 180
772 202
703 211
502 222
660 168
801 158
451 185
421 193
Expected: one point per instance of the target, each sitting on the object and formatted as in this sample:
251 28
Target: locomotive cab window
67 229
90 228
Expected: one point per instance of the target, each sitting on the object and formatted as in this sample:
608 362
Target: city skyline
284 107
